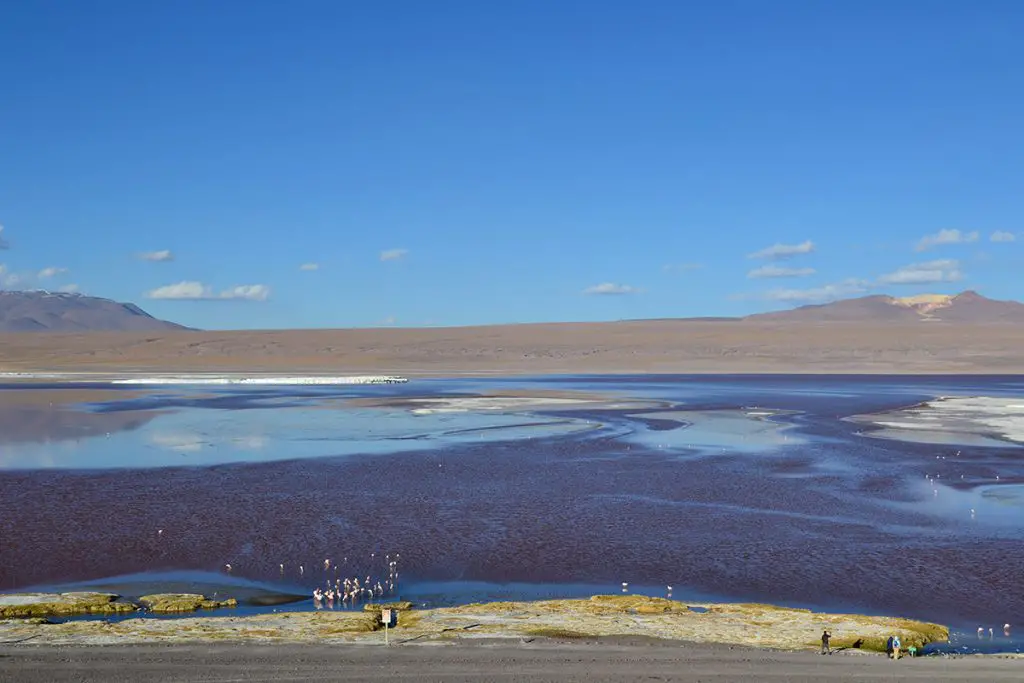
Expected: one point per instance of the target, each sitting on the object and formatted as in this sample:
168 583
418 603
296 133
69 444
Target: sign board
387 617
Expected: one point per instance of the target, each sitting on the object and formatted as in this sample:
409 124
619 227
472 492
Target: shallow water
725 487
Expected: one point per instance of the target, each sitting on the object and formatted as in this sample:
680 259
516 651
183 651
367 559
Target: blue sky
464 162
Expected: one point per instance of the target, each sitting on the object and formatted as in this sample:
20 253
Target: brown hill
966 307
40 311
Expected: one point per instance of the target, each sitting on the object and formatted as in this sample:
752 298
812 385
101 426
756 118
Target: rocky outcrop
21 605
61 604
165 603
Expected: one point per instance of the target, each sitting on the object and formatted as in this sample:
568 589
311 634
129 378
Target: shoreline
601 616
134 378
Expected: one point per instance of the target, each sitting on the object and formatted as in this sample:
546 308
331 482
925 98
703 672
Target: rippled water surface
725 488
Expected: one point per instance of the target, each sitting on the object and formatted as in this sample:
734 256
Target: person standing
895 647
825 637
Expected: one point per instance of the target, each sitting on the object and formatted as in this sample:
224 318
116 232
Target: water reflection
200 429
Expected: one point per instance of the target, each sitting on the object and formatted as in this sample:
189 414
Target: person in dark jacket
825 637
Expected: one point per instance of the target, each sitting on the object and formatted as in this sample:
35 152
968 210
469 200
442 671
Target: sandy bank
647 346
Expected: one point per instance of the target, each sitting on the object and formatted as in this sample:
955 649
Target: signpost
386 616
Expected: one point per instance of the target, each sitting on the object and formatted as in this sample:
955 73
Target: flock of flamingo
346 591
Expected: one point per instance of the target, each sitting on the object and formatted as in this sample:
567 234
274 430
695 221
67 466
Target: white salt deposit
221 379
190 379
475 403
1001 417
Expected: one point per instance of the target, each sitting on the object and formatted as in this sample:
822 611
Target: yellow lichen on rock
182 602
399 606
14 605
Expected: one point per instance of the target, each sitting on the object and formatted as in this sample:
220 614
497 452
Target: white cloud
393 254
157 256
390 320
610 288
197 291
927 273
7 279
779 251
249 292
831 292
69 289
182 290
682 267
779 271
51 272
4 244
310 266
945 237
1003 236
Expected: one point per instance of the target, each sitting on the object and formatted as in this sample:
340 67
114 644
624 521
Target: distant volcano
966 307
40 311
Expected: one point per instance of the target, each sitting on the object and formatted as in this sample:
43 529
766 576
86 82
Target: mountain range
966 307
41 311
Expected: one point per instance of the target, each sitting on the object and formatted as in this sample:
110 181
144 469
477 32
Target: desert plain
647 346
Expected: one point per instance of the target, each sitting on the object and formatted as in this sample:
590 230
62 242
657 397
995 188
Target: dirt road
589 662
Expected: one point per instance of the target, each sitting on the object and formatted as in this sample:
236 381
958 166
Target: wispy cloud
197 291
157 256
388 321
682 267
310 266
611 289
7 278
4 244
69 289
248 292
927 273
1002 236
782 251
52 271
780 271
393 254
943 237
830 292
